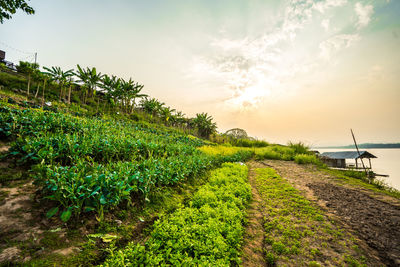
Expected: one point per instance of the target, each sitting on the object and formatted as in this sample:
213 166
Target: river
388 162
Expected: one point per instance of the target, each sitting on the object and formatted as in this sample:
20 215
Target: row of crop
14 122
96 187
67 149
56 138
207 232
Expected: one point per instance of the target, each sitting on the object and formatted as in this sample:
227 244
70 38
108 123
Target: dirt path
24 230
375 222
253 254
16 221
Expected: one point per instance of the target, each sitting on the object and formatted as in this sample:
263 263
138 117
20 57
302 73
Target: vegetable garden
90 164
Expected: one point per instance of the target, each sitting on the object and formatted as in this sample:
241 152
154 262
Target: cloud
364 14
336 43
322 6
325 24
253 67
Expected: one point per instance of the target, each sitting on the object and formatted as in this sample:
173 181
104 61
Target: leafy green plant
307 159
206 232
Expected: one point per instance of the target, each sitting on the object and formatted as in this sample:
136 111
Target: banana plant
90 78
60 77
204 124
166 114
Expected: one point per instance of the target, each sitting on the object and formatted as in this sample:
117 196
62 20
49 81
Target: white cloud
254 67
336 43
325 24
364 14
322 6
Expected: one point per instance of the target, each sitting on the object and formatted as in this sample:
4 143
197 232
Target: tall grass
307 159
299 148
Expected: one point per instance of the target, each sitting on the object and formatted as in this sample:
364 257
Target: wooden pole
359 155
44 87
69 93
29 84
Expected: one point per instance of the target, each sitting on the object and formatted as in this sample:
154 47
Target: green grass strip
297 232
207 232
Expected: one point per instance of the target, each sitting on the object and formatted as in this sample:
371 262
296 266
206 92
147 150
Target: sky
282 70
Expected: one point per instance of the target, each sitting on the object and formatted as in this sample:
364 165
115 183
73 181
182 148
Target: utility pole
35 57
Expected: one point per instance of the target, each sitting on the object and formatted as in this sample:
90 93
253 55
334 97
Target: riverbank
373 217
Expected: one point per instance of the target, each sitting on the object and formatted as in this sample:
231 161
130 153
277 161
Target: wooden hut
338 159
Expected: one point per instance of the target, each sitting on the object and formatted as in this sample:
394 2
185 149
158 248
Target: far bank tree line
105 94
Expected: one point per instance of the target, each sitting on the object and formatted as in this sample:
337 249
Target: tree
90 78
112 88
131 91
152 106
59 76
204 124
166 114
237 133
10 7
29 69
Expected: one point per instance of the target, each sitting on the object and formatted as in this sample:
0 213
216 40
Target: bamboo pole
359 155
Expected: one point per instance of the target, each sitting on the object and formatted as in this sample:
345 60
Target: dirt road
374 221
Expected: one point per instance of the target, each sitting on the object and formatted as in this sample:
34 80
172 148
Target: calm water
388 162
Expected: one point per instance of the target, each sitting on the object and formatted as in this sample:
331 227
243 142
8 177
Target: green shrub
207 232
299 148
307 159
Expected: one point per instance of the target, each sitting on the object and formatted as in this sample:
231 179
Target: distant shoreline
363 146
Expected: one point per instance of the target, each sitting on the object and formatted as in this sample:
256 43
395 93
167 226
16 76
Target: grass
296 229
307 159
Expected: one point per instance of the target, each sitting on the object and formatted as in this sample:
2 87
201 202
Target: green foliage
207 232
27 67
249 143
10 7
86 165
299 148
12 81
307 159
275 152
204 124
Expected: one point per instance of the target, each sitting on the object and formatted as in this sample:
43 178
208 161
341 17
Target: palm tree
111 86
204 124
151 106
178 119
90 78
166 113
132 91
60 77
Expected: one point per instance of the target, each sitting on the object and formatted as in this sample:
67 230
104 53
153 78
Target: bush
307 159
299 148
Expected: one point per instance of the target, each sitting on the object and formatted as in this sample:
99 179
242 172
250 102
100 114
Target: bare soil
373 218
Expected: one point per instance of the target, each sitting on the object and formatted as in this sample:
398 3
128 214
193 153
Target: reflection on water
388 162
